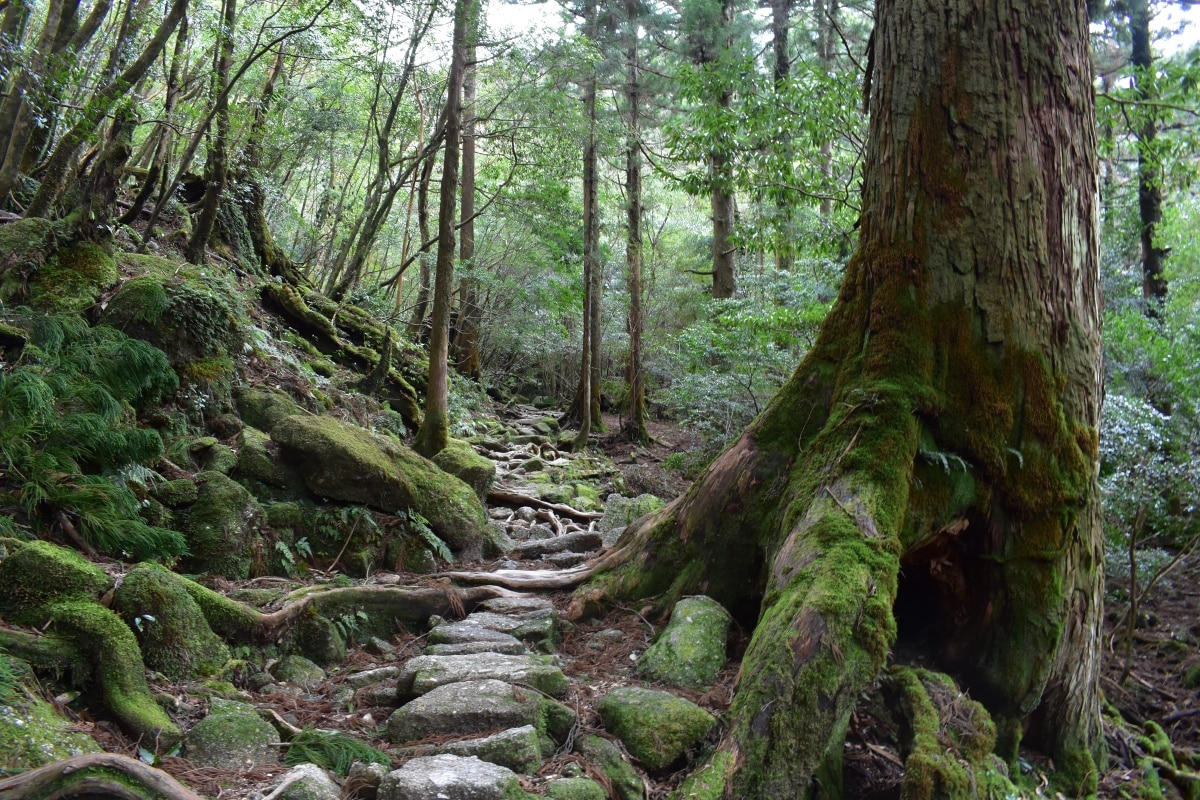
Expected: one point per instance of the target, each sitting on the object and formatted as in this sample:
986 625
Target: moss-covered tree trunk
931 464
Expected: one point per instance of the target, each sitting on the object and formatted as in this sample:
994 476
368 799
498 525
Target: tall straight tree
434 433
1154 256
937 449
585 409
720 172
466 340
634 425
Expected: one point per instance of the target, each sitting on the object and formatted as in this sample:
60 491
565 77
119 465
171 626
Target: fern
332 750
419 525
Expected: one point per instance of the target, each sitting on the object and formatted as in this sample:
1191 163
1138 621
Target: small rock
308 782
376 696
367 777
462 709
575 789
511 646
602 639
379 647
516 605
298 670
626 783
231 741
567 559
582 542
367 677
518 749
526 513
691 650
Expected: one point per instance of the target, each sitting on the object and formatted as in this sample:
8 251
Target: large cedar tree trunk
931 465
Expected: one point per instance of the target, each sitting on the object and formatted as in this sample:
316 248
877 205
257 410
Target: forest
646 400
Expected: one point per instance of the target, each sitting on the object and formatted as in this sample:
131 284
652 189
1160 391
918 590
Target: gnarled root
95 775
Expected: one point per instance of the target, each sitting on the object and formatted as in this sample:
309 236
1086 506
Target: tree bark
932 462
724 253
434 433
216 167
634 425
1154 282
466 340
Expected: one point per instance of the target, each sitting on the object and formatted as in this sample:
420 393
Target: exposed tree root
502 496
95 775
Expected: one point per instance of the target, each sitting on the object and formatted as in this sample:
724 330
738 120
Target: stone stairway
487 711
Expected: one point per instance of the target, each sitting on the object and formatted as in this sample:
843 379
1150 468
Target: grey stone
567 559
379 647
620 511
516 605
471 629
448 777
531 626
582 542
367 777
602 639
511 646
462 709
307 782
376 695
575 789
691 649
518 749
367 677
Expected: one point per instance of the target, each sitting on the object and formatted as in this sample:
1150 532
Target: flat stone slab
448 777
425 673
469 630
519 749
516 605
582 542
511 647
463 709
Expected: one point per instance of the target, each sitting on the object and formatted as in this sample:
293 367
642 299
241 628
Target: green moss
625 782
189 317
233 740
36 573
33 733
175 638
228 618
691 650
460 460
119 668
222 527
657 728
261 408
73 278
575 789
708 782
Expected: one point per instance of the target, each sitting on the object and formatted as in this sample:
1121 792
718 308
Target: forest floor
1165 650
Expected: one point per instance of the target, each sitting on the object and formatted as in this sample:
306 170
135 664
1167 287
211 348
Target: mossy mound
232 740
175 638
262 408
344 462
190 319
691 650
36 573
575 789
73 278
625 782
657 728
33 733
222 528
257 459
620 511
460 460
25 244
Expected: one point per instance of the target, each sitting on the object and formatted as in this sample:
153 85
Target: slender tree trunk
826 31
216 168
634 426
416 324
163 133
58 165
781 18
1154 282
581 410
434 433
724 253
932 462
466 340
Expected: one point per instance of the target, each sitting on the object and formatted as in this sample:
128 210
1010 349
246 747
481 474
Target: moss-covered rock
575 789
345 462
179 492
691 650
189 317
298 670
174 636
262 408
25 244
626 783
257 458
318 639
33 733
73 278
222 528
233 740
620 511
656 727
460 460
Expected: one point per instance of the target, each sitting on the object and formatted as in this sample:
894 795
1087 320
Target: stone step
423 674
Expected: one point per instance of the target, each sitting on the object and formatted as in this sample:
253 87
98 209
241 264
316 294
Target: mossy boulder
232 740
258 459
262 408
460 460
222 528
73 278
620 511
33 733
25 244
179 492
657 728
187 316
174 637
691 650
300 671
345 462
